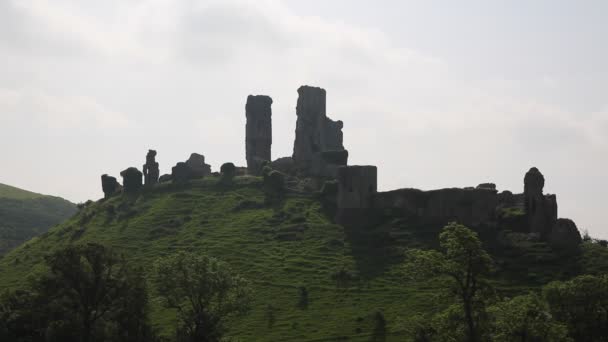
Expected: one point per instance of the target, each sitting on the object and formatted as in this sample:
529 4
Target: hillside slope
25 214
349 275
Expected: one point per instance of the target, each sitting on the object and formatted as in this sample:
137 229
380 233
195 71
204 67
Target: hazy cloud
91 85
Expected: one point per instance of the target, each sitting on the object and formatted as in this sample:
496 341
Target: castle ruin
319 156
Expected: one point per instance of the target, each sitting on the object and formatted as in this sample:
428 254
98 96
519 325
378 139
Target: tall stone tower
150 169
318 148
310 110
541 210
258 132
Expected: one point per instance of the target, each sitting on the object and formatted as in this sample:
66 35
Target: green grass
7 191
25 214
279 248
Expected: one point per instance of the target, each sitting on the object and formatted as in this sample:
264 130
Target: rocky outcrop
540 209
150 169
110 186
316 134
198 168
564 235
258 132
131 180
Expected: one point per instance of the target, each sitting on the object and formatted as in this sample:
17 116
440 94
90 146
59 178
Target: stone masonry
258 132
150 169
316 134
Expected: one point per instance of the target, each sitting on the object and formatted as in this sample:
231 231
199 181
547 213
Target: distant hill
349 274
25 214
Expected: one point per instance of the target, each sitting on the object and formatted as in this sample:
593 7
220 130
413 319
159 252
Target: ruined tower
258 132
150 169
131 180
541 210
318 148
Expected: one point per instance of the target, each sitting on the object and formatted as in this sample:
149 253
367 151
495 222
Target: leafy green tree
465 263
582 304
525 319
89 294
205 293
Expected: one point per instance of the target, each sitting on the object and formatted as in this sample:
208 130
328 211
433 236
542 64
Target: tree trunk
468 312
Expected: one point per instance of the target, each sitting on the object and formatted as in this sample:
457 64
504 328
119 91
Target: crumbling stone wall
110 186
470 206
150 169
181 173
258 132
131 180
198 168
357 186
315 134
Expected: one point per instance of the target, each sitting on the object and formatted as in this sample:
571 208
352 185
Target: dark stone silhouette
165 178
541 210
274 185
227 173
198 168
181 173
357 186
315 134
150 169
284 164
131 180
258 132
470 206
565 234
110 186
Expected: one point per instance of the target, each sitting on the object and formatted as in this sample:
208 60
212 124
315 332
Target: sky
435 93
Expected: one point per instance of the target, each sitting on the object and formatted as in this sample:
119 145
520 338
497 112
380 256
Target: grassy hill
349 274
25 214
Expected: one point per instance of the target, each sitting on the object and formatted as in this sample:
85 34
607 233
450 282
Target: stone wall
258 132
470 206
357 186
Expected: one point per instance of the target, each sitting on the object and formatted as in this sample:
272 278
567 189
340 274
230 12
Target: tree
86 296
204 291
462 260
525 319
90 279
582 304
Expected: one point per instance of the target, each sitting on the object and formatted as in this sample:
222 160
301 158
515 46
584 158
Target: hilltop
25 214
349 273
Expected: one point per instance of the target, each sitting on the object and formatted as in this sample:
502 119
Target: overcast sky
435 93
